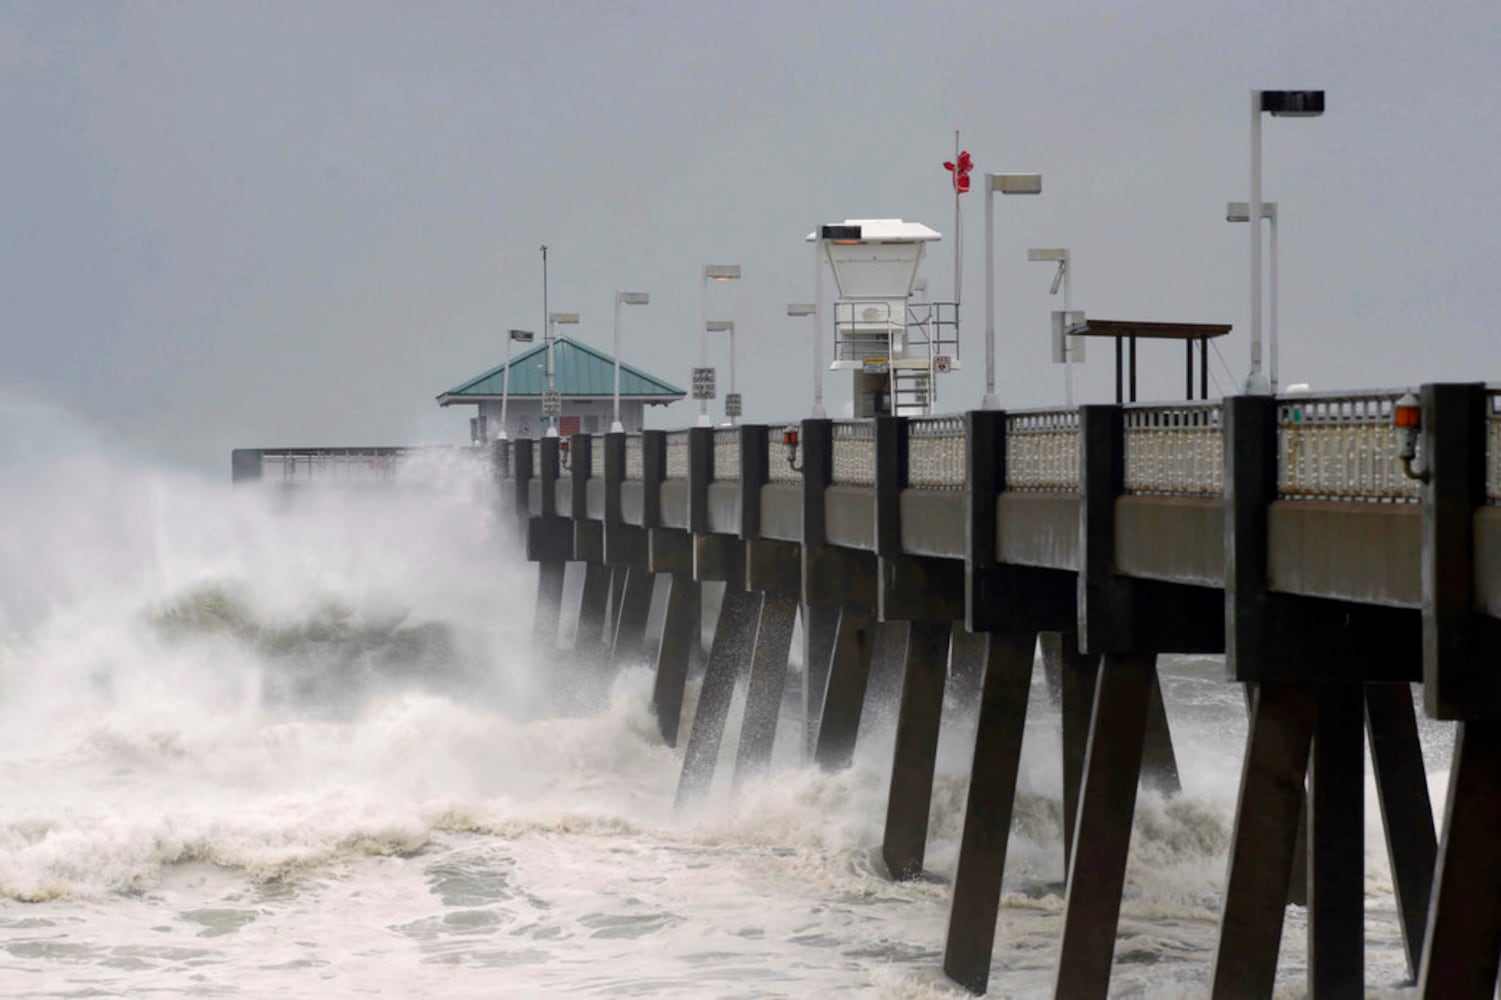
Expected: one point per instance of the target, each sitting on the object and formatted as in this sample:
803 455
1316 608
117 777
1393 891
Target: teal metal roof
581 370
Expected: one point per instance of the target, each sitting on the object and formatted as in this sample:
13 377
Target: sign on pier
703 383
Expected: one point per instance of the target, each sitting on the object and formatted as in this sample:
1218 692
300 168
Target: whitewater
255 743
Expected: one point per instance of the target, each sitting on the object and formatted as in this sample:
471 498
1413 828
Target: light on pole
725 326
525 336
555 319
1239 211
629 299
1064 275
1280 104
811 309
1005 184
712 272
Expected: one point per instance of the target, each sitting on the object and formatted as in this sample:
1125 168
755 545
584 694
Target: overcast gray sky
229 224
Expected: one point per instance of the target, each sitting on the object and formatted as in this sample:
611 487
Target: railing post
754 472
1104 602
653 471
700 474
548 475
580 468
1455 684
500 471
891 469
985 467
522 472
1250 429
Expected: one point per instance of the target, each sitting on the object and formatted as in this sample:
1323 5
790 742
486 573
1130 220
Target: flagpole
958 238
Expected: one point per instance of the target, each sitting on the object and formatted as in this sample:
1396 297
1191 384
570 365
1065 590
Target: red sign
568 425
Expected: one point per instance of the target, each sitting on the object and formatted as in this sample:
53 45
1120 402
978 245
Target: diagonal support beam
1406 811
680 637
987 814
1107 803
844 696
916 750
1262 847
734 639
768 677
1336 845
1461 950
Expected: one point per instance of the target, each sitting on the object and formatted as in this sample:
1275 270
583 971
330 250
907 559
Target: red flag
960 171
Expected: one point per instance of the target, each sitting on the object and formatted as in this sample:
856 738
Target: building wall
524 416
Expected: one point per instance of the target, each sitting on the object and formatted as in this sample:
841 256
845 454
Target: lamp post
1279 104
629 299
555 319
810 309
725 326
525 336
1239 211
1005 184
1064 275
712 272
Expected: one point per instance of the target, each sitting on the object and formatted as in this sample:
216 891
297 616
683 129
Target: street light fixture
628 299
526 337
1279 104
725 326
1239 211
811 309
1005 184
712 272
554 319
1060 256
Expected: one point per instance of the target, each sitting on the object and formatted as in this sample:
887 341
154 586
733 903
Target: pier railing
1175 450
935 453
727 454
1330 447
1042 450
342 467
854 446
677 454
1341 447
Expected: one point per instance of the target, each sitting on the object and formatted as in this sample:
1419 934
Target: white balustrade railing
854 453
677 455
1493 446
395 466
935 453
778 469
597 457
635 466
1042 450
1341 448
727 454
1175 450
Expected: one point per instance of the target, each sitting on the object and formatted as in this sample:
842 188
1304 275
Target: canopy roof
581 372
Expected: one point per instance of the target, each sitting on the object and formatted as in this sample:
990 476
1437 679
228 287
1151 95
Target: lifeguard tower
893 345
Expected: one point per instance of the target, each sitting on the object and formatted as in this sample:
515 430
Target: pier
1281 532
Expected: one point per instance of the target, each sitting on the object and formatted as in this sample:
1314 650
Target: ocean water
255 745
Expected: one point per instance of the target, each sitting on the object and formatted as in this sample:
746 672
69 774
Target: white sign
703 383
552 403
1066 321
874 366
732 404
942 363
